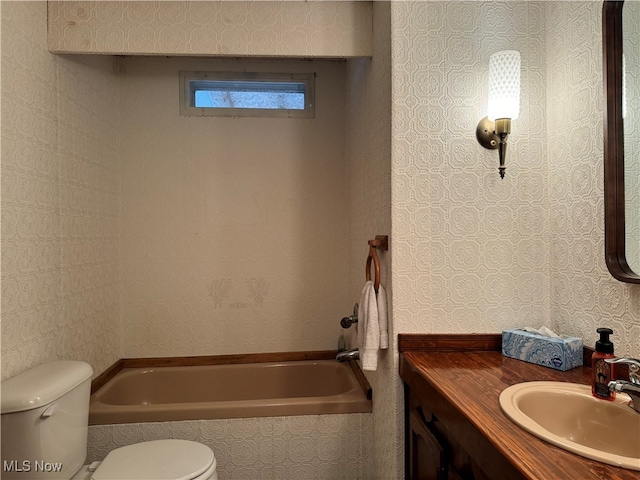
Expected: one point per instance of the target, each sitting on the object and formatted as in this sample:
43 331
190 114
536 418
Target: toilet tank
45 415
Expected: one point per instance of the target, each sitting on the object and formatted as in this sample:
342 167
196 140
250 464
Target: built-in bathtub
288 416
307 387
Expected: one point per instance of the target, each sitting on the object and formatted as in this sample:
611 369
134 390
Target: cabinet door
427 456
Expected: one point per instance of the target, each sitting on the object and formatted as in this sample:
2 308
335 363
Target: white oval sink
568 416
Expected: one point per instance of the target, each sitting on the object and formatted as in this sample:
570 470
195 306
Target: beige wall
60 186
228 28
234 251
369 175
234 230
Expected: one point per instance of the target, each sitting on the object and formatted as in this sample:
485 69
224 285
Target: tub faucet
632 387
346 322
352 354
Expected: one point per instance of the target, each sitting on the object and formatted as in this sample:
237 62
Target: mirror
620 27
631 120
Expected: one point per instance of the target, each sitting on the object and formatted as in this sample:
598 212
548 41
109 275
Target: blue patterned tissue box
559 353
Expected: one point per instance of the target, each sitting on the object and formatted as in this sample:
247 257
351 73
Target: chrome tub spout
348 355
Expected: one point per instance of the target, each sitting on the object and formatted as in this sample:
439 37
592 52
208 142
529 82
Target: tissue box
559 353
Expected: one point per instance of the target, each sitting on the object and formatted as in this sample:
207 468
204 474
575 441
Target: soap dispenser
601 371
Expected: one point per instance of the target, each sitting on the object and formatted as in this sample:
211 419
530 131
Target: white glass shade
504 85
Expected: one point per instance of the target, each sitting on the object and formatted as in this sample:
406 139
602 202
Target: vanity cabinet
454 427
429 453
433 449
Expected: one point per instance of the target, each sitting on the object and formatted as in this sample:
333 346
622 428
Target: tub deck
266 389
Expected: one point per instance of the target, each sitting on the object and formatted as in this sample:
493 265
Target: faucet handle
634 367
347 321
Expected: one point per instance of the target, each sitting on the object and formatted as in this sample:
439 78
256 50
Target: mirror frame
614 222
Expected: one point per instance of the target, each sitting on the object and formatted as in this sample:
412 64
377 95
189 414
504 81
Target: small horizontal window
246 94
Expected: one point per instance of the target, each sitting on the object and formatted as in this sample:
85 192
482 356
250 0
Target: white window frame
190 80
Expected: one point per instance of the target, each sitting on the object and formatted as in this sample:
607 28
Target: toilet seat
158 460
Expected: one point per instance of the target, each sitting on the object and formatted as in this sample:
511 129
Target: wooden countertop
471 382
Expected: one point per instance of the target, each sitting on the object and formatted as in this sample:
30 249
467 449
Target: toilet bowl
154 460
45 414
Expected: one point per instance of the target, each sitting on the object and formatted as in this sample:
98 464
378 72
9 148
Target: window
247 94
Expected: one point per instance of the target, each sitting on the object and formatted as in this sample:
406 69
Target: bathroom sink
568 416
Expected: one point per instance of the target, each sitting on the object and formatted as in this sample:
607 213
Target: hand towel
381 302
368 330
372 325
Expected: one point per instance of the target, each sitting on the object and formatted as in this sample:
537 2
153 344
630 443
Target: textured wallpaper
308 447
234 231
469 249
60 278
368 151
584 295
223 256
471 252
258 28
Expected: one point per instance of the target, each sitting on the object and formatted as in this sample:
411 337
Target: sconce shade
504 85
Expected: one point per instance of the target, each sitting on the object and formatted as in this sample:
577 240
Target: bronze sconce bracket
492 135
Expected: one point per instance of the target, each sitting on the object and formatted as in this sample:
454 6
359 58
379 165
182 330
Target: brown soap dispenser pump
601 371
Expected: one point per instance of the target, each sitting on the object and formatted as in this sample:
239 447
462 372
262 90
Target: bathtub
290 388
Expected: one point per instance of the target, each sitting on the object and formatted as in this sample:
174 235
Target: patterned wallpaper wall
59 200
472 253
469 252
469 249
369 175
234 230
259 28
584 295
336 447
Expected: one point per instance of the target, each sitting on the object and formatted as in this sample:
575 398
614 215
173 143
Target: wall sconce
504 103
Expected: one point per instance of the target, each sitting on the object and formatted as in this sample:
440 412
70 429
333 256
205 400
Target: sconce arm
493 135
503 129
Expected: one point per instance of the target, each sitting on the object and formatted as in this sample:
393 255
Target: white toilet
45 416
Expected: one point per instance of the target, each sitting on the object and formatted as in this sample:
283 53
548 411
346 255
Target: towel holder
381 242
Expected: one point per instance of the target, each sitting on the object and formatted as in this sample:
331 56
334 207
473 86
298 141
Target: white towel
372 325
382 318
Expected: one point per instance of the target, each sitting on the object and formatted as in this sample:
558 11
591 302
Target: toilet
45 421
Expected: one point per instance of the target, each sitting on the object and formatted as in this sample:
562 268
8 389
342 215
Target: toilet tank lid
42 385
